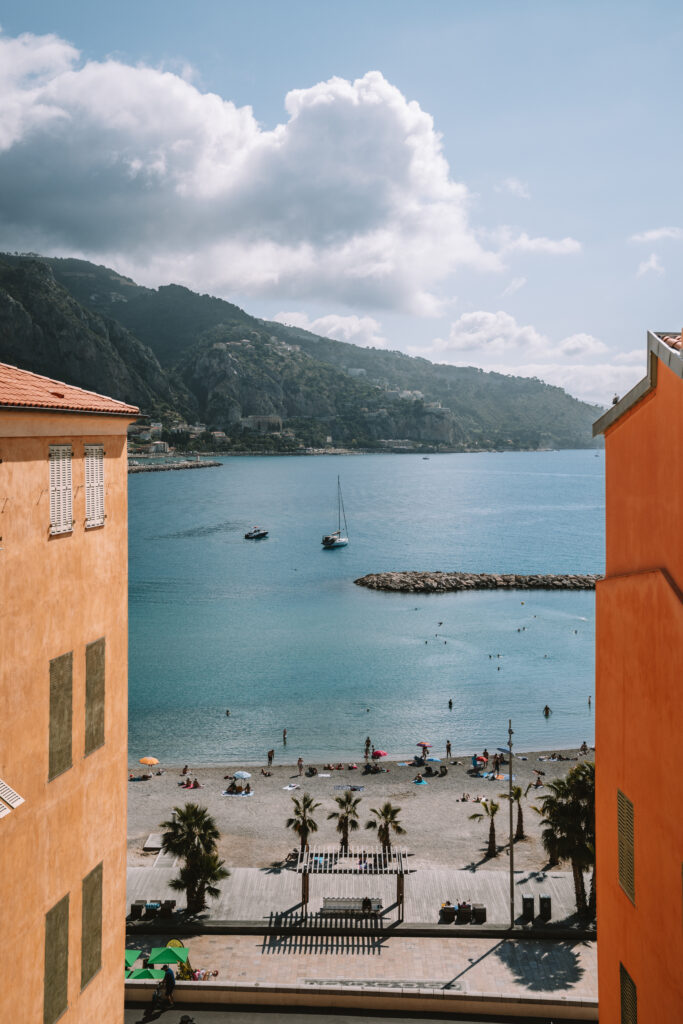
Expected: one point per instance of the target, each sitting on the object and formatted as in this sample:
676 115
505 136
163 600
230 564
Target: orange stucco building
63 699
639 700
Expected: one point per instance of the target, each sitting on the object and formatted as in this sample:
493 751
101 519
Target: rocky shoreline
445 582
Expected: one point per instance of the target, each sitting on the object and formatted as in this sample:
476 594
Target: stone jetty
164 467
445 582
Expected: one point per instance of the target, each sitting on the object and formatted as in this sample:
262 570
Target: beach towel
437 760
291 786
323 775
422 782
402 764
225 793
354 789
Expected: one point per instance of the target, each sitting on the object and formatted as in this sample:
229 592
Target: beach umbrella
145 972
423 744
168 955
242 775
379 753
149 760
132 955
481 759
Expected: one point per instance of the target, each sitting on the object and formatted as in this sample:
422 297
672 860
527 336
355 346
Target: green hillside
195 356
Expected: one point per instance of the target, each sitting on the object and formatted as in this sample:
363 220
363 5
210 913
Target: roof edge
657 351
70 411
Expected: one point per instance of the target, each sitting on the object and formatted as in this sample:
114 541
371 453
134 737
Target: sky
477 182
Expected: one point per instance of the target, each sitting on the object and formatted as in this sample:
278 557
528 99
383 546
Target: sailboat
338 539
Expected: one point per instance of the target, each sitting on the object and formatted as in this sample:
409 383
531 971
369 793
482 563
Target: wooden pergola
353 860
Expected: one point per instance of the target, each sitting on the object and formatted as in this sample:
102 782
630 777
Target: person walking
300 765
368 744
271 755
169 984
448 748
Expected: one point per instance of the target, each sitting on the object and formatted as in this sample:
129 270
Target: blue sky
503 191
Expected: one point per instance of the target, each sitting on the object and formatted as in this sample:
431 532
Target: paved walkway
253 894
506 967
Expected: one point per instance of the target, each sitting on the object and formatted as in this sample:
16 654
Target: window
629 997
91 925
627 879
94 485
61 674
61 497
94 696
55 981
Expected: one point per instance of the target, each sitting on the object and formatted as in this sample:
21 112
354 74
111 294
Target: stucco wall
58 595
639 705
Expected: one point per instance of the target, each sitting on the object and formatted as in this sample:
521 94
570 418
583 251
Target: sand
437 821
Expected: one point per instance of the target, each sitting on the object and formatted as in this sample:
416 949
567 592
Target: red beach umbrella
379 753
423 744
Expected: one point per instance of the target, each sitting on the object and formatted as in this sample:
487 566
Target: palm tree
490 811
386 821
198 878
568 812
192 831
517 795
301 821
346 816
193 835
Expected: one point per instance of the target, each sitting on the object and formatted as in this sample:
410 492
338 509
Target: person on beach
271 755
284 736
368 744
485 753
300 765
448 748
185 770
450 705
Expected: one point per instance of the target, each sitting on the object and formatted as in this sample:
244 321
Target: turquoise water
277 632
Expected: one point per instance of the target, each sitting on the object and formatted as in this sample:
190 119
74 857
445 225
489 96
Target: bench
350 906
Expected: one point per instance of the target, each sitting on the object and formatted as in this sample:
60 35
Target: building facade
639 700
63 699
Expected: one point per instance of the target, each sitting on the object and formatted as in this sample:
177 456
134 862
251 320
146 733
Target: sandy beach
439 831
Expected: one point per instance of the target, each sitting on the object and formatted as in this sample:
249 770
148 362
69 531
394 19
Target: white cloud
651 265
361 330
515 284
524 243
350 198
515 187
658 234
495 341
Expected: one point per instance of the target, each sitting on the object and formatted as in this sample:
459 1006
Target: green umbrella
168 955
145 972
132 955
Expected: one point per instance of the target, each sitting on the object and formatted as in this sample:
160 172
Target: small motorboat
256 533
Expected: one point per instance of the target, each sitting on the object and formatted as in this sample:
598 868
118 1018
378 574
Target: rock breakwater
166 466
445 582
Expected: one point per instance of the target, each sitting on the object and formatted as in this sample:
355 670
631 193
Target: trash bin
479 913
545 907
528 911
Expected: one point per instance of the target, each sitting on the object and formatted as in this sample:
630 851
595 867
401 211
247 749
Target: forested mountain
178 353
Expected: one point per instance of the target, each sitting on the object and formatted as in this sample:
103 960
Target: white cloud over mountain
495 341
361 330
350 200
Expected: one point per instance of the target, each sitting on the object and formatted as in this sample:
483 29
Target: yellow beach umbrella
149 760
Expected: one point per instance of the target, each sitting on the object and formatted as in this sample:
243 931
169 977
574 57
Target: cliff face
44 329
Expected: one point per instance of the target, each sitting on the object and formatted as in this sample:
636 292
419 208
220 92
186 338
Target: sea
277 633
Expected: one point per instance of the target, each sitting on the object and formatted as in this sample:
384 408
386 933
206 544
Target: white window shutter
94 485
61 495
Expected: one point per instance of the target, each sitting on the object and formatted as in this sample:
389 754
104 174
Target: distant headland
445 582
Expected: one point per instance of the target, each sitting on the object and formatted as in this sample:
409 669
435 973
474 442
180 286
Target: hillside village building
63 699
639 700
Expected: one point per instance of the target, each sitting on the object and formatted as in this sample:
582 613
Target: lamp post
512 849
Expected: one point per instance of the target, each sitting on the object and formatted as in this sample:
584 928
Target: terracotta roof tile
22 389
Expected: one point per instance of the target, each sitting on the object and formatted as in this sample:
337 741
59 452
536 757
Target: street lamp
512 851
